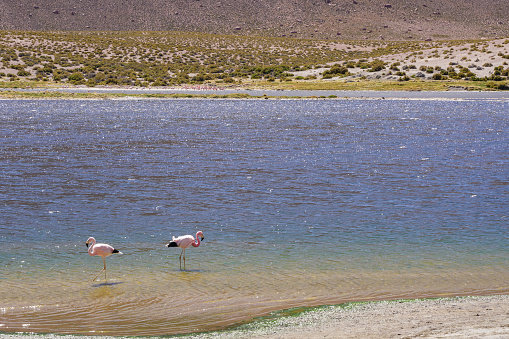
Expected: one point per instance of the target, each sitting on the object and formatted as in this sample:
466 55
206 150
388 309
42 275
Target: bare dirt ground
323 19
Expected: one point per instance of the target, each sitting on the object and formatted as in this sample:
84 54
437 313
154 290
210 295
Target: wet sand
466 317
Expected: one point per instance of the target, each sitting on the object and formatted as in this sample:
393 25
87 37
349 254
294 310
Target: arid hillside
331 19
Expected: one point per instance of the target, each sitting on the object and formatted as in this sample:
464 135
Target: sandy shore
470 317
475 317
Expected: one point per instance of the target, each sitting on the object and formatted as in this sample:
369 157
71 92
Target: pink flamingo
102 250
184 241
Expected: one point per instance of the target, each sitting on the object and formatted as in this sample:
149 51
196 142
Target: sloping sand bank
473 317
470 317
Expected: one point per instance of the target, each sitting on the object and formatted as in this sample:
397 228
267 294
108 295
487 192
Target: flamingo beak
202 237
86 244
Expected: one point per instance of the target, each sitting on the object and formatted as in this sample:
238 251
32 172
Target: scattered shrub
498 85
76 76
335 70
23 73
144 58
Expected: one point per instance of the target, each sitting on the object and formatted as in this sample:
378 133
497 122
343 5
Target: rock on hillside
345 19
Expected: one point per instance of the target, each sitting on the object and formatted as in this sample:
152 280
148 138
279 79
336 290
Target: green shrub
335 70
76 76
498 85
160 82
23 73
112 81
350 64
377 65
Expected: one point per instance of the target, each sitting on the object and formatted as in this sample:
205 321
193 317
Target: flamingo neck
197 242
91 247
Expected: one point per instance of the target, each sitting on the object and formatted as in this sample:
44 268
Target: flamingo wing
104 250
183 241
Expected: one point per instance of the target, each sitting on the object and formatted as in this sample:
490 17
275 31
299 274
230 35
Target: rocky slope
331 19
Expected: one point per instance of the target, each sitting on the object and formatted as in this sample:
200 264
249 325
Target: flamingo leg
180 258
184 258
104 269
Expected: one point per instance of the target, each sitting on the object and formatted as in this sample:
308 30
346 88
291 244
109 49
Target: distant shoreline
126 93
459 317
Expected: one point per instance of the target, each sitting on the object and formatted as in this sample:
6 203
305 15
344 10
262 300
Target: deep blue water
353 185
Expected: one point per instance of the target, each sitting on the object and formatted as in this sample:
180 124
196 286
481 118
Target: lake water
302 203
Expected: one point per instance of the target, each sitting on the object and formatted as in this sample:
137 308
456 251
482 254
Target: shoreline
455 317
124 93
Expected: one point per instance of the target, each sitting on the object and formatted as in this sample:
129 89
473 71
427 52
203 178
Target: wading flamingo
102 250
184 241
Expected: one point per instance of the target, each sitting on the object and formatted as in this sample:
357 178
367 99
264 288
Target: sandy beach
473 317
465 317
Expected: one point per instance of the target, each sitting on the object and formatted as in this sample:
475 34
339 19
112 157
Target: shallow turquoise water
302 202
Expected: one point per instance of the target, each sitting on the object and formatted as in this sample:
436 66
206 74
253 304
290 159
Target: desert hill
331 19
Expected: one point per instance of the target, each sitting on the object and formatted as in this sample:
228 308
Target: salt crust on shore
470 317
